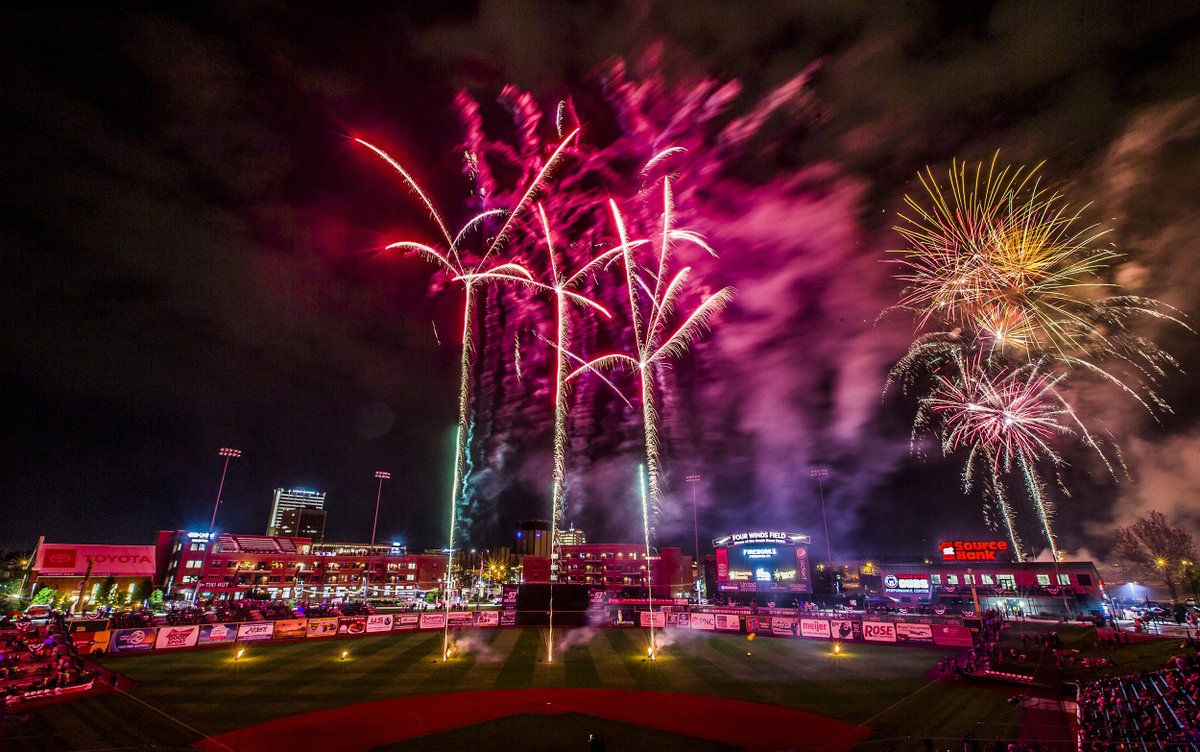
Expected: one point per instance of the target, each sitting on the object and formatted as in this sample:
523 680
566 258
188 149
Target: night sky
191 258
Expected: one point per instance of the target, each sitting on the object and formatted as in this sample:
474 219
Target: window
1007 581
1043 579
951 579
1085 580
1064 579
968 579
986 579
935 579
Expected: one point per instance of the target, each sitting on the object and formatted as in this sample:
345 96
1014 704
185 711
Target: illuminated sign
906 583
762 536
961 550
759 553
199 536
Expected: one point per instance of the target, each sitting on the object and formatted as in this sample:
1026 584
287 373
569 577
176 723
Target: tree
108 591
1150 547
45 596
141 593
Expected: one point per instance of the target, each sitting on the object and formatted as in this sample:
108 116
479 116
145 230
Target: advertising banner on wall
210 633
291 629
879 631
707 622
728 622
462 618
435 620
846 629
677 619
405 622
254 631
352 625
487 619
951 635
379 623
914 633
508 618
132 640
660 619
818 628
91 642
785 626
758 624
177 637
323 627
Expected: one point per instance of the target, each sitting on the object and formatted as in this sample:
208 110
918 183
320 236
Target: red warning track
751 725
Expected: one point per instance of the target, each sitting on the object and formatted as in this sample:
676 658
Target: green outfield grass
881 687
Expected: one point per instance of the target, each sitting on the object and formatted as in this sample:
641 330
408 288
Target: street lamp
382 476
228 454
821 473
692 481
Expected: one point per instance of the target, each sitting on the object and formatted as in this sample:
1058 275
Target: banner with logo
352 625
707 622
405 622
253 631
434 620
462 618
818 628
132 640
379 623
67 560
291 629
785 626
210 633
508 618
879 631
758 624
87 643
660 619
324 626
951 635
177 637
846 629
914 633
728 622
677 619
487 619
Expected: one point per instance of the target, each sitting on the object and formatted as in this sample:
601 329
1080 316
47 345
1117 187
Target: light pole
821 473
382 475
693 480
228 454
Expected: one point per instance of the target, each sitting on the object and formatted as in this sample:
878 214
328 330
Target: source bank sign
960 550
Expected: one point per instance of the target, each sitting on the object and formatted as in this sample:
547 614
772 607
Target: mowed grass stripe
492 648
630 647
518 669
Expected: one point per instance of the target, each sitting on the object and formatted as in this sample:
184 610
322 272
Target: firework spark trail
999 263
650 345
470 276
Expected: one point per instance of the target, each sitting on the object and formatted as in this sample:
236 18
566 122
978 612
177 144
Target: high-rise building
571 537
533 538
303 523
297 498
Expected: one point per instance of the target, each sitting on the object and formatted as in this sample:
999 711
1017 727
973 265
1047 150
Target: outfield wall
879 629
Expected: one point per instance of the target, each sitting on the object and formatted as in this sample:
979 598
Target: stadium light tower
382 475
693 481
821 473
228 454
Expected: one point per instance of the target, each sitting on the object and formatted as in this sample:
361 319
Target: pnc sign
961 550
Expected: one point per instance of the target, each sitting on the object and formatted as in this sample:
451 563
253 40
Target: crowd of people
1145 711
37 660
